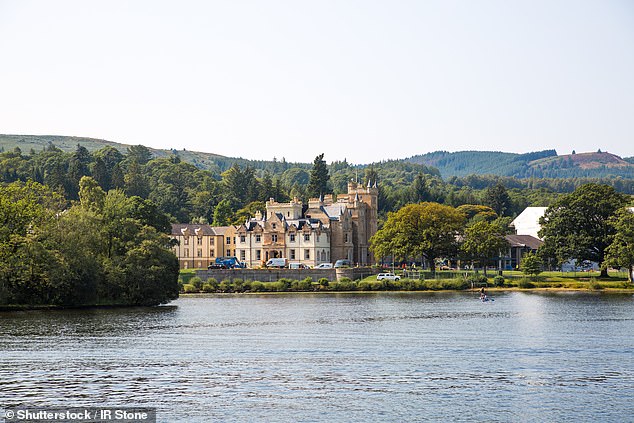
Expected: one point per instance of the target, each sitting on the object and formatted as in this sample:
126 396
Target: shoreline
513 289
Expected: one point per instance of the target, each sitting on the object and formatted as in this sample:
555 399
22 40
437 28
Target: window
212 253
186 241
307 254
292 254
211 241
199 241
346 240
199 252
186 252
258 255
316 238
273 225
274 237
228 240
234 239
258 238
229 252
243 239
292 237
243 255
306 237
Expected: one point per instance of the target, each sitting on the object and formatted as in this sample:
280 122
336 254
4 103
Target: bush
189 288
525 283
257 286
207 287
498 280
594 284
225 286
197 282
364 286
323 282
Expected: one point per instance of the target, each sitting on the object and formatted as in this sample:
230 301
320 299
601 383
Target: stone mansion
323 231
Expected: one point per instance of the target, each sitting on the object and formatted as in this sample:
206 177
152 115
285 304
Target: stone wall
272 275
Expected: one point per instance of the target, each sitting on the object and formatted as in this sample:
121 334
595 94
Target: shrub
323 282
257 286
498 280
364 286
305 285
594 284
224 286
525 283
197 282
189 288
207 287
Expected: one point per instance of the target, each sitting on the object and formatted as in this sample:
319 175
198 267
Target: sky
364 81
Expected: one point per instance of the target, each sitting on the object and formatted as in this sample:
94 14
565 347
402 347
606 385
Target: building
324 231
527 222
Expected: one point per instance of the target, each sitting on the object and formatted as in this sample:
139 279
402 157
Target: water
333 358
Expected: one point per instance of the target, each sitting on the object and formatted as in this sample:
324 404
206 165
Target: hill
541 164
207 161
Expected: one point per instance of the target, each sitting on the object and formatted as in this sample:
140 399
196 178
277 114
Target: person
483 294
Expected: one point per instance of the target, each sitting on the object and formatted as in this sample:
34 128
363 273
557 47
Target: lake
333 358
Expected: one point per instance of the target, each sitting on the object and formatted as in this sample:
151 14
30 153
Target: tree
531 264
425 229
577 225
497 198
319 177
620 252
222 214
483 241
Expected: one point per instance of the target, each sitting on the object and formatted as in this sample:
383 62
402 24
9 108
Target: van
276 262
297 266
343 263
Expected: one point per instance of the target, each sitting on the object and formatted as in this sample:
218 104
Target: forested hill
207 161
541 164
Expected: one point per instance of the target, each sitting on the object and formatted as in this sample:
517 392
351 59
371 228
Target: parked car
343 263
297 266
387 276
324 266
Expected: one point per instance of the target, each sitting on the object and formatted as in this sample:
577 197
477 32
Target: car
297 266
387 276
324 266
343 263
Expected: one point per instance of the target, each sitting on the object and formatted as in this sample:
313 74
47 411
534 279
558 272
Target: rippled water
333 357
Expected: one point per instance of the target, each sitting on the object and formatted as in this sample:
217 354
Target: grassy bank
441 281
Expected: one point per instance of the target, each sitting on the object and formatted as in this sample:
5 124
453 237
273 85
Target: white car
387 276
324 266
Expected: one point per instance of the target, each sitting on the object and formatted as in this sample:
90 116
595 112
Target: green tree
577 225
483 242
319 177
417 230
620 252
531 264
498 199
222 214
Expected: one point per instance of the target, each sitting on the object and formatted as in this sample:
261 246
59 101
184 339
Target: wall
271 275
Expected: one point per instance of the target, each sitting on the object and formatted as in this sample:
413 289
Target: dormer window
292 237
306 237
273 225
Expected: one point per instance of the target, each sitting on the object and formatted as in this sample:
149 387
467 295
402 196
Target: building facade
323 231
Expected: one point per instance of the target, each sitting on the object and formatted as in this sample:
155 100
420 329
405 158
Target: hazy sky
362 80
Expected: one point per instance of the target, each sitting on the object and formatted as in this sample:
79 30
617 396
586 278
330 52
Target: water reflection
341 357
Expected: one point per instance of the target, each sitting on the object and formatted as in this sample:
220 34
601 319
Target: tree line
104 249
594 223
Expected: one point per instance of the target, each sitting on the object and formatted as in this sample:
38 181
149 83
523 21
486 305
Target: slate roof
178 228
524 241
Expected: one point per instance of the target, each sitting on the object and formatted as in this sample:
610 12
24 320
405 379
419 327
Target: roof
527 222
524 241
195 229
